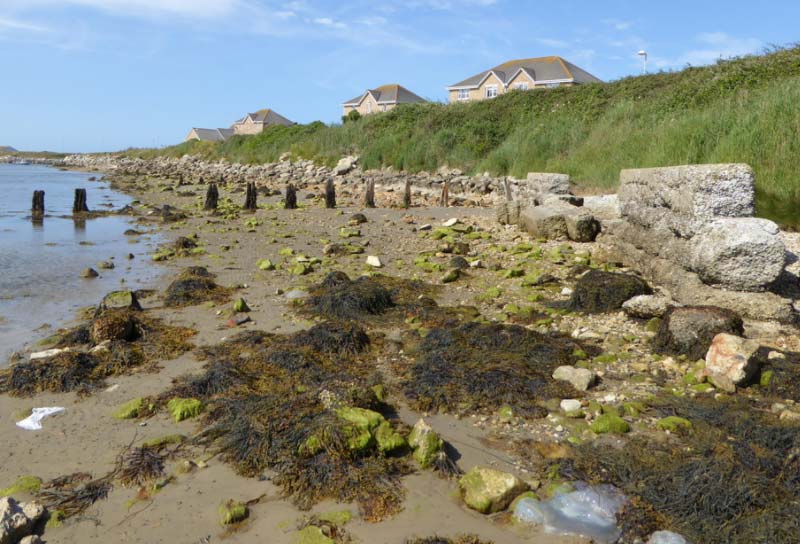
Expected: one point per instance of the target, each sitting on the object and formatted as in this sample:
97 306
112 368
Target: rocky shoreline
530 370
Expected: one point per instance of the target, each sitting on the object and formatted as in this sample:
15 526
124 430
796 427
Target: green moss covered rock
426 443
130 409
313 535
23 485
231 512
610 423
488 490
674 424
181 409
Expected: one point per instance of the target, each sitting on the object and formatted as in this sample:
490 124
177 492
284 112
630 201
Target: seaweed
461 539
193 286
70 496
141 465
333 338
339 297
732 479
483 367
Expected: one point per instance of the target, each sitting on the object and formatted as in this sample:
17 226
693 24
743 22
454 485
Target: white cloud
327 21
146 8
16 25
711 47
549 42
618 24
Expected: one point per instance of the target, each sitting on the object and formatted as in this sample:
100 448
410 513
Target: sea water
41 261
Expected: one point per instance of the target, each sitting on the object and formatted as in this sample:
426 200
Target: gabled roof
212 134
387 94
540 69
267 117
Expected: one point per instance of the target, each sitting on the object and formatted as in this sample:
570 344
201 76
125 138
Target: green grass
741 110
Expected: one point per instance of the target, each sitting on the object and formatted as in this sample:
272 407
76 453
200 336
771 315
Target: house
252 123
209 134
383 98
255 123
523 75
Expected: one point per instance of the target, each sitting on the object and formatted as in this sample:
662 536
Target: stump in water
330 194
79 204
407 195
290 203
369 196
444 201
37 204
250 197
212 197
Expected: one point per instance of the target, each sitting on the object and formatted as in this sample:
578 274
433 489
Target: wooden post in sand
507 185
444 201
79 203
330 194
37 204
212 197
369 196
250 197
290 202
407 195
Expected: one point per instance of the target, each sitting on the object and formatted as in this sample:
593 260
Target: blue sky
93 75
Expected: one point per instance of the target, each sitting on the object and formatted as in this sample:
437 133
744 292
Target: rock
357 219
538 185
46 354
181 409
17 519
581 225
508 212
266 264
570 405
345 165
425 442
240 306
459 263
674 424
690 330
744 254
451 275
105 265
646 306
682 199
313 535
609 423
572 200
488 490
598 291
113 325
231 512
32 539
544 222
732 361
89 273
666 537
580 378
450 222
129 410
374 261
120 300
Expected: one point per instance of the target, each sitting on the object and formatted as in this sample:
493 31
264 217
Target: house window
383 108
463 94
553 85
491 91
521 86
369 107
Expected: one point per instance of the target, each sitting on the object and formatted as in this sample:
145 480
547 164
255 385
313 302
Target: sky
104 75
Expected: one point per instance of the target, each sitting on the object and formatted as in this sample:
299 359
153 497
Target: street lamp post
643 54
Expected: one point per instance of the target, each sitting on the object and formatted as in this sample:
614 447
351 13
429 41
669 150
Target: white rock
566 291
646 306
731 361
580 378
666 537
570 405
374 261
17 519
48 353
476 264
450 222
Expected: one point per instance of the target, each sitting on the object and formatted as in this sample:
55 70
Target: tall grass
742 110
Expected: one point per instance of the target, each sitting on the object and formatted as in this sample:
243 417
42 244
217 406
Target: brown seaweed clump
71 495
129 341
598 291
304 407
462 539
476 366
193 286
339 297
734 479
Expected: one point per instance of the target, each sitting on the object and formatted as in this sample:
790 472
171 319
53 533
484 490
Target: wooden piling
212 197
507 184
407 195
250 197
330 194
79 204
369 195
444 201
37 203
290 202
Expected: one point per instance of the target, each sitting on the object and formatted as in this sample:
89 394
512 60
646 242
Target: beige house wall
248 127
521 77
368 106
480 92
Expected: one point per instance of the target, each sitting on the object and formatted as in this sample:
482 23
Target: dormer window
463 94
521 86
491 91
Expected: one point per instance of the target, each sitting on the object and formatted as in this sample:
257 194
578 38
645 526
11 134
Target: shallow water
40 262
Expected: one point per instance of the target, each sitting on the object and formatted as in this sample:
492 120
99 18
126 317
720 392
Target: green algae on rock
181 409
231 512
488 490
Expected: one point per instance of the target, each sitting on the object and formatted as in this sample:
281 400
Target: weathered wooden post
79 203
369 196
330 194
212 197
444 201
37 204
509 196
407 195
290 202
250 197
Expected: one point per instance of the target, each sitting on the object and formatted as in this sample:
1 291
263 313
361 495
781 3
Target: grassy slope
744 110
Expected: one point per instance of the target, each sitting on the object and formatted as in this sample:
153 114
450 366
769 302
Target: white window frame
369 106
491 91
522 86
463 94
383 107
553 85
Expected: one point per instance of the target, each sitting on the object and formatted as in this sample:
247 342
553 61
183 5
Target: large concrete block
683 198
559 221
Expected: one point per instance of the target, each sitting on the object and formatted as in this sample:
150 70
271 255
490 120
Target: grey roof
388 94
541 69
267 117
212 134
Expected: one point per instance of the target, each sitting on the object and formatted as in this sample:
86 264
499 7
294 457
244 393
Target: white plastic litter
590 512
48 353
666 537
34 421
296 294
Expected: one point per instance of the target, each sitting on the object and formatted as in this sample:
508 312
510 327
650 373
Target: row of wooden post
290 200
79 204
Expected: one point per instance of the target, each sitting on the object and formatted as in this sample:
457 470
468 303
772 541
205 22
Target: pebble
450 222
570 405
374 261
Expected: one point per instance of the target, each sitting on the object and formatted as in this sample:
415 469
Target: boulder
425 443
598 291
508 212
690 330
538 185
488 490
732 361
17 519
559 221
345 165
744 254
684 198
646 306
666 537
120 300
113 325
580 378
